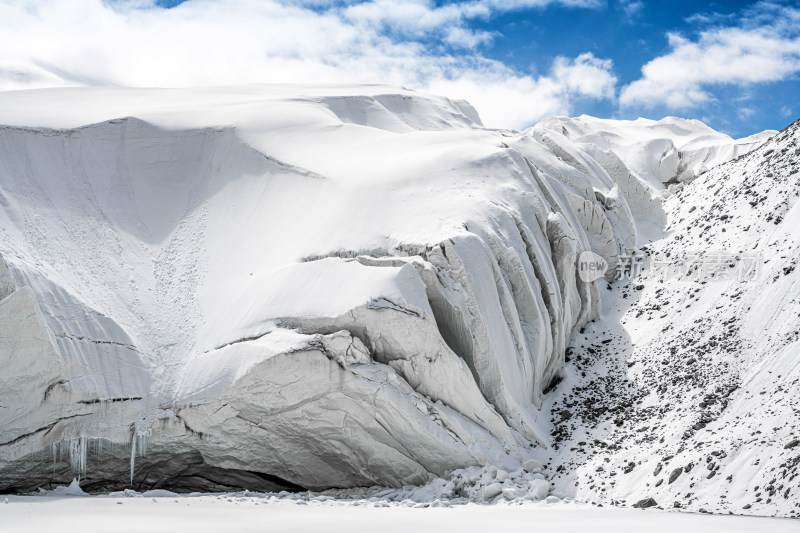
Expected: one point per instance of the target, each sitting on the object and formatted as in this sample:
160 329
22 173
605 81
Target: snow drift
289 286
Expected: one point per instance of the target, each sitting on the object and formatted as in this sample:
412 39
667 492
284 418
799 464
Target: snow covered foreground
313 287
253 512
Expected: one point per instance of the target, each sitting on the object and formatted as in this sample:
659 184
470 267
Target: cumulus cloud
586 75
763 47
516 99
415 43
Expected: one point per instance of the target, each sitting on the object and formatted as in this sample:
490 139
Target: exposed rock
7 285
645 503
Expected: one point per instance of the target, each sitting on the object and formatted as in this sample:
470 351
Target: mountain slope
685 391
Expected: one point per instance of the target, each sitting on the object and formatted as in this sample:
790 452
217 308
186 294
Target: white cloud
521 100
631 9
418 18
745 112
220 42
586 75
740 55
466 38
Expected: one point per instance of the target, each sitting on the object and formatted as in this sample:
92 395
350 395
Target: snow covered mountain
648 156
685 393
657 152
320 287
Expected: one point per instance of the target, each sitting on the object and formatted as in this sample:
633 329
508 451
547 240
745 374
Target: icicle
138 445
133 456
141 445
77 455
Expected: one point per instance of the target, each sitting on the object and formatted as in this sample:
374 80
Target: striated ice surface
285 287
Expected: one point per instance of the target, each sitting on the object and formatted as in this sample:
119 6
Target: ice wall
329 286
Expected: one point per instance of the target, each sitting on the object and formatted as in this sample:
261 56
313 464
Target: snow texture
685 393
303 287
132 511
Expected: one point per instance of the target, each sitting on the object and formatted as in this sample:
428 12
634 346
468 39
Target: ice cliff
281 287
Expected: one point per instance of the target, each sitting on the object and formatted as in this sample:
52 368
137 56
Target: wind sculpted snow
288 286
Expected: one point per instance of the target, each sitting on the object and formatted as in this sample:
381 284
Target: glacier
287 287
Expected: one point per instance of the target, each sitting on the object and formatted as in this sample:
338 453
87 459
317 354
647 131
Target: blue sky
734 65
634 33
